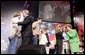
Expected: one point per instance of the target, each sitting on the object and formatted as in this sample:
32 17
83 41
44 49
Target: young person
15 32
65 41
36 30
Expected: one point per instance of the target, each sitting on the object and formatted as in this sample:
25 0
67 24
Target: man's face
25 12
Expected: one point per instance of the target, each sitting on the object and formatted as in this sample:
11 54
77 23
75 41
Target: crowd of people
28 31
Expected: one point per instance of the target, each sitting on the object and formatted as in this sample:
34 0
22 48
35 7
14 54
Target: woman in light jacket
73 39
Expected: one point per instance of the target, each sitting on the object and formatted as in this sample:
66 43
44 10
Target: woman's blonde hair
16 14
69 25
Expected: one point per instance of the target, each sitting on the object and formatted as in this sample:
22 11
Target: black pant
27 40
51 51
59 46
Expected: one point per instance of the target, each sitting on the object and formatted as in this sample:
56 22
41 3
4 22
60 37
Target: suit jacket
59 36
26 27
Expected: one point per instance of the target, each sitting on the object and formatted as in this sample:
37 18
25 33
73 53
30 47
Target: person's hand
21 13
39 21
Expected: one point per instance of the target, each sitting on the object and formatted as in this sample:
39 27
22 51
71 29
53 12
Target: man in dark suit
26 31
59 43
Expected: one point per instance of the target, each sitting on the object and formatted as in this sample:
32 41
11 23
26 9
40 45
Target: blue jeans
14 45
35 40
